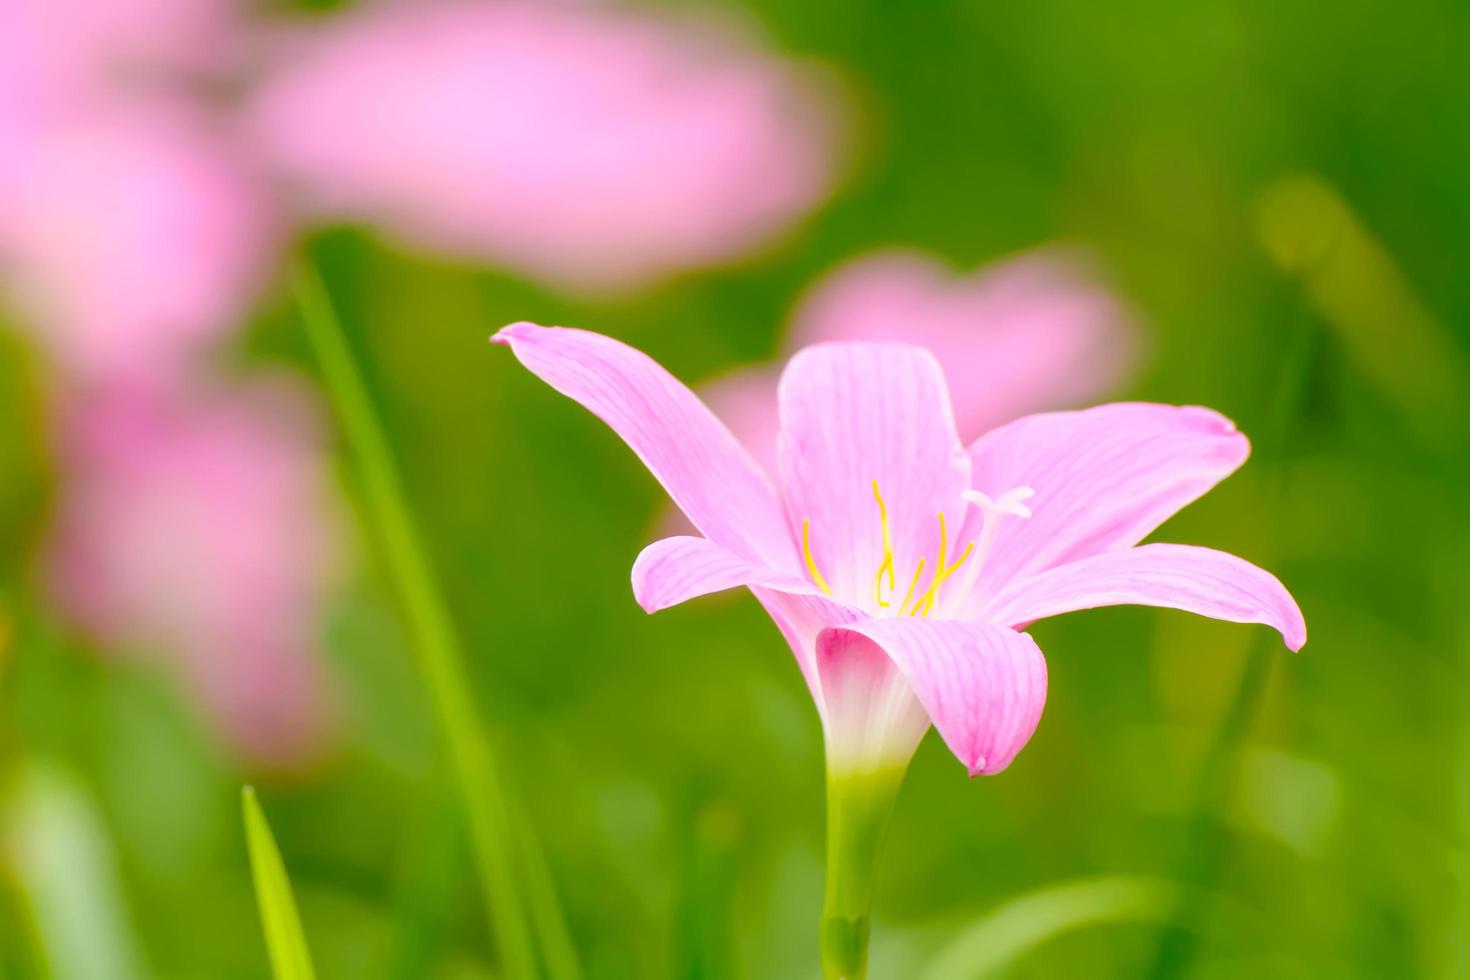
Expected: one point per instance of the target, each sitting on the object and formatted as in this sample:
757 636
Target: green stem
471 758
858 808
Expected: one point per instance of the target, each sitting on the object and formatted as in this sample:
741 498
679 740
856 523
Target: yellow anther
811 563
887 565
910 606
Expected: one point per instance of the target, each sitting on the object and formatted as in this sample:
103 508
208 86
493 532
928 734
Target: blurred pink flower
56 55
64 61
595 148
134 232
193 526
1027 334
130 228
132 238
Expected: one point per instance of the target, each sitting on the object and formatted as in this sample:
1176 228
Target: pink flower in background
899 565
63 61
58 54
591 147
134 233
132 239
1026 334
194 526
130 227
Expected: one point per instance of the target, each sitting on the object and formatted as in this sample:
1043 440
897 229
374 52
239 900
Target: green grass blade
437 643
56 842
558 952
1003 937
284 939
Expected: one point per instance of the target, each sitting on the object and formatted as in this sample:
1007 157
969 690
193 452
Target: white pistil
1009 504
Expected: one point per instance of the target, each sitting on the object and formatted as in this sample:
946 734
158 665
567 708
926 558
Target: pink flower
65 61
594 148
1028 334
899 565
192 526
134 232
131 227
132 239
58 55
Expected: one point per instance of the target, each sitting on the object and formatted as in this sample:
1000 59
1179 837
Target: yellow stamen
811 563
960 560
910 606
942 571
887 565
926 598
913 584
943 576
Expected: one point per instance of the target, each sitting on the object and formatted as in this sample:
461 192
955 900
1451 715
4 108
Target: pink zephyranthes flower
901 566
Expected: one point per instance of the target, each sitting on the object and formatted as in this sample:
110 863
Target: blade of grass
558 953
1004 936
65 865
437 644
284 939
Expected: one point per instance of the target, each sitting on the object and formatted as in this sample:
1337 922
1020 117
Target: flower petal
1175 576
1104 478
856 414
982 686
1034 332
680 568
801 618
688 450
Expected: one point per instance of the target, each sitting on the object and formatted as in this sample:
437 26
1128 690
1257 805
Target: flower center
885 582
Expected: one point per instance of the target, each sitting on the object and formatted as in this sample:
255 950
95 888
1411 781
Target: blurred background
1254 206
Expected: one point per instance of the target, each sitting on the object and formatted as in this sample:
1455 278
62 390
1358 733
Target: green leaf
284 939
472 757
1009 933
66 869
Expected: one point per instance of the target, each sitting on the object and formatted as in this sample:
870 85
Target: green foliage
284 938
661 777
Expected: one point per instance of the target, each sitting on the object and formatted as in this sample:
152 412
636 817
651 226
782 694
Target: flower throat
885 582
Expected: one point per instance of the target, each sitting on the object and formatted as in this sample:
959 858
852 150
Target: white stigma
1008 504
992 509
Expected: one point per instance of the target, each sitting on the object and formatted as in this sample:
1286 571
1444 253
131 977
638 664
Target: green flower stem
858 807
440 656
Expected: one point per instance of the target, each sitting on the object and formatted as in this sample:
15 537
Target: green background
1282 190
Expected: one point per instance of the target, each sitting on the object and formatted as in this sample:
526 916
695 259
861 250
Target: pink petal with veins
707 473
853 415
1103 478
1174 576
982 686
